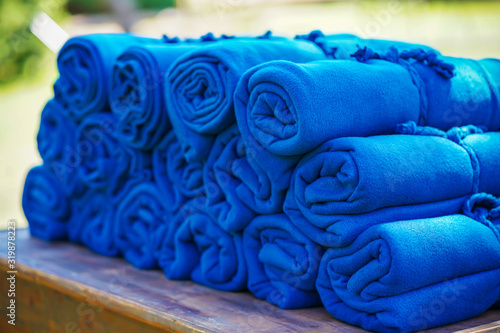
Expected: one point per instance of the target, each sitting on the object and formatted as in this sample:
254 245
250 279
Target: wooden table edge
116 303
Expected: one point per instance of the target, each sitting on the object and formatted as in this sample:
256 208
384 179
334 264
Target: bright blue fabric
208 255
413 275
98 232
143 158
91 222
93 216
349 184
138 216
56 145
343 46
284 109
470 97
453 91
296 107
290 108
225 171
178 180
56 132
82 210
45 204
282 262
137 92
181 187
85 64
102 161
200 85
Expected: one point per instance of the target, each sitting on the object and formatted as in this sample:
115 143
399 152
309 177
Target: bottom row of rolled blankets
391 233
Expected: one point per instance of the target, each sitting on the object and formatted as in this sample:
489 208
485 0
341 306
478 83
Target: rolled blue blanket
101 160
56 133
82 209
284 110
413 275
138 216
98 232
85 64
91 223
164 238
290 109
137 94
200 85
178 180
208 255
261 189
45 204
56 145
343 46
282 262
349 184
224 172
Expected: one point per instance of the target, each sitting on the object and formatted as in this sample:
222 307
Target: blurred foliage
99 6
155 4
20 50
88 6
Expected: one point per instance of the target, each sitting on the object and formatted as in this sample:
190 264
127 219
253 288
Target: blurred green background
27 67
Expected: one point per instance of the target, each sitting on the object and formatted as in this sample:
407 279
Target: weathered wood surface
61 287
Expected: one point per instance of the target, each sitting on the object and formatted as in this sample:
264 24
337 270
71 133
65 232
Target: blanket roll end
45 204
282 262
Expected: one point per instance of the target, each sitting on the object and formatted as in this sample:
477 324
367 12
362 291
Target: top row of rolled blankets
331 170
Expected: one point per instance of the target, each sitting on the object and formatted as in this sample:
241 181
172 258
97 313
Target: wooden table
61 287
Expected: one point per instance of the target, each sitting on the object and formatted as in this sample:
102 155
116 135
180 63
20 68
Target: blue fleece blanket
103 162
45 204
83 209
85 64
97 216
349 184
93 216
343 46
137 92
91 222
266 163
178 180
282 262
164 238
413 275
139 215
285 109
200 85
224 173
206 254
291 108
56 145
56 132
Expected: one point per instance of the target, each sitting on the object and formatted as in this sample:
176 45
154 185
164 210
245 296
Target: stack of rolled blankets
360 175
